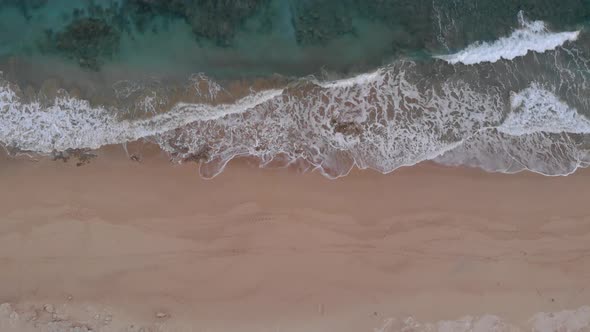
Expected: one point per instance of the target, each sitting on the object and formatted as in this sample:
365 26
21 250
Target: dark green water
259 37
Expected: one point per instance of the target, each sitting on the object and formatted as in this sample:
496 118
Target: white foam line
534 110
361 79
185 113
73 123
532 36
538 110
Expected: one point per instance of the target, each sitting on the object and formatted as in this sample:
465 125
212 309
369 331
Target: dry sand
117 245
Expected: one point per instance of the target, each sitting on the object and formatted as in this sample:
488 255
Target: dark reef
92 30
87 40
214 20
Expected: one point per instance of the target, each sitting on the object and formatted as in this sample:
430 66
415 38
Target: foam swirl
531 36
382 120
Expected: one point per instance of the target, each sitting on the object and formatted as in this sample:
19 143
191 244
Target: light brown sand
112 244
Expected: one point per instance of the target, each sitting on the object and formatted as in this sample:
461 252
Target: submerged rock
318 22
347 128
212 20
200 156
87 41
219 20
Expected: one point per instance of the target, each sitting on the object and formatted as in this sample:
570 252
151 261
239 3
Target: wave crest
531 36
383 120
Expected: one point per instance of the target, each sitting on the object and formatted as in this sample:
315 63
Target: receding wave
71 123
503 116
530 36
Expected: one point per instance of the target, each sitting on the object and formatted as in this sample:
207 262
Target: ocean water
323 84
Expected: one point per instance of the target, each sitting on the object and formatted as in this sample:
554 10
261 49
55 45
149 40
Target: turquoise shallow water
324 84
262 37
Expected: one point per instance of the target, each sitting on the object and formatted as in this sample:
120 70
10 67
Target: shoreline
270 249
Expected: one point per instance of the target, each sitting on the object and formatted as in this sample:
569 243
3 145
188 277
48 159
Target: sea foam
530 36
72 123
382 120
541 133
536 109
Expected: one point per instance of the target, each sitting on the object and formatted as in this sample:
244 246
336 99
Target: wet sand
118 245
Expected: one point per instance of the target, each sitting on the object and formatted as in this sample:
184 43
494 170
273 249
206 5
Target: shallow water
500 85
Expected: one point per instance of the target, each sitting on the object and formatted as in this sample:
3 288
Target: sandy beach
294 166
118 245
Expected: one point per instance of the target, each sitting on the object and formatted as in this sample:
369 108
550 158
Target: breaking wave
530 36
71 123
501 115
380 121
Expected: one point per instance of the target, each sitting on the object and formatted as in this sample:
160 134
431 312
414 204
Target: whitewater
529 37
382 120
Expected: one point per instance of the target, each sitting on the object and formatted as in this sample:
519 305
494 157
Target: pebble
13 316
5 308
49 308
160 314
